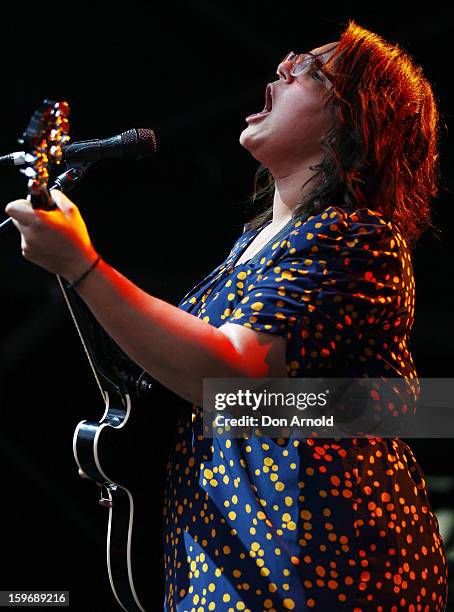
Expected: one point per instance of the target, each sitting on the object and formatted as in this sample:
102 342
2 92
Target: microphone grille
149 137
139 142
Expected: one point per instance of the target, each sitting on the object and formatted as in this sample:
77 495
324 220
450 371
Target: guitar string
81 338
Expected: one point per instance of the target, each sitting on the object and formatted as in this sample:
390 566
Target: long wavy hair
382 151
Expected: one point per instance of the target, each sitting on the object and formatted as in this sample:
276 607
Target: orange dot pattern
265 524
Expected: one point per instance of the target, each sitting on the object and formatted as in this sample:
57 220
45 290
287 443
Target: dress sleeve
338 270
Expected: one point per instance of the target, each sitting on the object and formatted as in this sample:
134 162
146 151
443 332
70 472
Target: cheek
300 107
304 122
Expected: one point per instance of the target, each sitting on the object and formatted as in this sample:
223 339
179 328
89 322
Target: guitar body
114 453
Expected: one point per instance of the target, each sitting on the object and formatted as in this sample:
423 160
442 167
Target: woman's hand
56 240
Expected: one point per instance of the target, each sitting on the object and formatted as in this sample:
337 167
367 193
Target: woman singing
319 283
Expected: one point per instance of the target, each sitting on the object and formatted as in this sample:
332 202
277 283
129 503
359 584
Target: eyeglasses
302 62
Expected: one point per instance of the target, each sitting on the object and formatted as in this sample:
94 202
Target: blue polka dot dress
270 524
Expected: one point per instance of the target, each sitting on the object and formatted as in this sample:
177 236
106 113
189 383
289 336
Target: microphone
132 144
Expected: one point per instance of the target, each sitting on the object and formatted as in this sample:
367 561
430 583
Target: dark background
192 71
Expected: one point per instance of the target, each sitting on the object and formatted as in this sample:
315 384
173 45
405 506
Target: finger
20 201
21 211
63 202
22 229
23 245
16 224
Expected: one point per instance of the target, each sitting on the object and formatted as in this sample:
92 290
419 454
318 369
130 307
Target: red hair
382 151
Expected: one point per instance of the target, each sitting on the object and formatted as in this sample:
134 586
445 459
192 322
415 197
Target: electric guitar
100 447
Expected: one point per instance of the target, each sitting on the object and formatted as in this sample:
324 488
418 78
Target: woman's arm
175 347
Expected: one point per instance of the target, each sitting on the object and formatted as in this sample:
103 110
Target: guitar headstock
46 133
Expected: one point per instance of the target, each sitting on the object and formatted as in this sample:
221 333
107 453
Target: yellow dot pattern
263 524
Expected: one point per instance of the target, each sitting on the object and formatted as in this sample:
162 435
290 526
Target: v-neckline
257 255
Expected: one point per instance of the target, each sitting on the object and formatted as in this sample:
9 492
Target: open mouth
268 100
268 104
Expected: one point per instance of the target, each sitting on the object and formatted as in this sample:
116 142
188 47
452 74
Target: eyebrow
319 63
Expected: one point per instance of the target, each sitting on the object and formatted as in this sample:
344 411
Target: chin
250 140
243 139
256 147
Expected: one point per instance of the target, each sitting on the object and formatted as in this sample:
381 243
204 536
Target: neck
289 193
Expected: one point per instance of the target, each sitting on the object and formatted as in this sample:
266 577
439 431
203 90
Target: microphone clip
68 179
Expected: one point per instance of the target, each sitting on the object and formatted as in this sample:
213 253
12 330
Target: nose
283 71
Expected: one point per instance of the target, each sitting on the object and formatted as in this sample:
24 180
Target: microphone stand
65 181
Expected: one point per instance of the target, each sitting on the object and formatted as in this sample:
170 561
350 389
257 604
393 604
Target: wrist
82 268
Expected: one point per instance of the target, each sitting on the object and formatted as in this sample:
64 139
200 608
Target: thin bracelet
92 267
